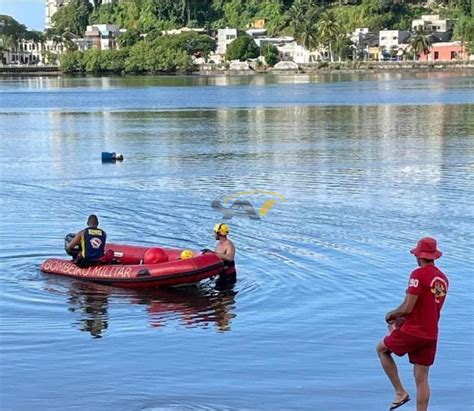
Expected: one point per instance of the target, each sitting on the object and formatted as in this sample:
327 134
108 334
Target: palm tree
420 44
301 20
328 29
341 46
308 35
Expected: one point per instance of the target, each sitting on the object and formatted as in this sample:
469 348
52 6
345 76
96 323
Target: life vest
93 243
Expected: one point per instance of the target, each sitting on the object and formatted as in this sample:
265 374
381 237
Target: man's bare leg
390 368
422 387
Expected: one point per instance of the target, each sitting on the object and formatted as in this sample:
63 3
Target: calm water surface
367 164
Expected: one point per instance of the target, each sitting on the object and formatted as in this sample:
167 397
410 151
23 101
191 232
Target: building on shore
365 44
292 51
446 51
52 6
99 36
30 52
390 41
224 38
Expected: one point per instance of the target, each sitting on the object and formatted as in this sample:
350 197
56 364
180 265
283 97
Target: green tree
50 57
465 6
157 56
301 20
72 62
308 34
328 30
74 17
129 38
420 44
464 29
270 52
97 3
53 35
342 46
242 48
114 60
36 36
194 43
92 60
11 32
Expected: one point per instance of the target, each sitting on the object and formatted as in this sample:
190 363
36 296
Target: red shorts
421 351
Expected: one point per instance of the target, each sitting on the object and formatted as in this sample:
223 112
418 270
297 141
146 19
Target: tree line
312 23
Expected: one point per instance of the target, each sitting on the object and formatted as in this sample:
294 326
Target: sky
28 12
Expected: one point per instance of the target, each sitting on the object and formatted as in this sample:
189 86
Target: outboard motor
75 251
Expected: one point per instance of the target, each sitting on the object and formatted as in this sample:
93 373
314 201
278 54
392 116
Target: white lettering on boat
99 271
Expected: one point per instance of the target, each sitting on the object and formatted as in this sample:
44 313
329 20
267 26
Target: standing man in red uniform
415 325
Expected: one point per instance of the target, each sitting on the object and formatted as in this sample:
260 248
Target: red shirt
431 287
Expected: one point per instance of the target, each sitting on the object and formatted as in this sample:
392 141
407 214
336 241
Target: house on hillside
257 24
440 29
101 36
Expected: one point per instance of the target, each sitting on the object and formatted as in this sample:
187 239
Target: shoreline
224 70
348 67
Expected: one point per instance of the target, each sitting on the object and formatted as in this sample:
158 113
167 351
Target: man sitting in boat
88 245
225 249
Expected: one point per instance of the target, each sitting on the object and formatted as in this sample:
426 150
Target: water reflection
200 306
90 302
384 80
193 306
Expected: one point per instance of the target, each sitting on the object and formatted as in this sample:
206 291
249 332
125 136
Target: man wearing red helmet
414 325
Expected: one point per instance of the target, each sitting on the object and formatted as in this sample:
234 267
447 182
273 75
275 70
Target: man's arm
406 307
75 241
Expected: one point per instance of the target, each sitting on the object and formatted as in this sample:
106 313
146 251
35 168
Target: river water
366 164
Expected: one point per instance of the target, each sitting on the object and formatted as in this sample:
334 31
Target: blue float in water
111 157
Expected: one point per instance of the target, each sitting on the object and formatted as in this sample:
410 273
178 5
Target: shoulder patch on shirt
438 288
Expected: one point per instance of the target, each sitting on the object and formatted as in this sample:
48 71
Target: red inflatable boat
140 267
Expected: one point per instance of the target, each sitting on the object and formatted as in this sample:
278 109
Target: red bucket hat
426 248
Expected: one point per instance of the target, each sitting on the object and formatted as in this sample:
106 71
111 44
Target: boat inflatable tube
142 267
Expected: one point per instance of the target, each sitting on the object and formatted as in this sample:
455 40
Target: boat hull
129 270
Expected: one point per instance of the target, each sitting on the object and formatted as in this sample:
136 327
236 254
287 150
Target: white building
183 30
300 54
52 6
276 41
432 23
25 52
29 52
224 38
254 32
358 34
101 36
389 39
